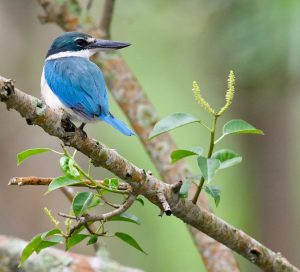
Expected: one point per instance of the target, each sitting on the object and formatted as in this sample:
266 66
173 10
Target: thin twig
68 192
25 181
103 217
73 217
116 206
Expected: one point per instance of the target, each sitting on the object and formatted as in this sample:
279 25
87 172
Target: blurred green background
173 43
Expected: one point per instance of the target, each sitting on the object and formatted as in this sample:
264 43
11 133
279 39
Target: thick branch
142 182
142 114
11 249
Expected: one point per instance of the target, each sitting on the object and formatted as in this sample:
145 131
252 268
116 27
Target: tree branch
23 181
93 218
11 249
68 193
142 114
142 182
106 18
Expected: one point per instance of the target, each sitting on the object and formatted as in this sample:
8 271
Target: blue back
79 84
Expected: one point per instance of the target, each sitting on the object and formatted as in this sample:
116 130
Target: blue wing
79 84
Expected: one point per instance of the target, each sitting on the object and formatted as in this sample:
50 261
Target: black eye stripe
81 42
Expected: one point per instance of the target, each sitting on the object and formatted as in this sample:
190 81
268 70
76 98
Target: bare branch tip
13 181
176 187
7 87
165 207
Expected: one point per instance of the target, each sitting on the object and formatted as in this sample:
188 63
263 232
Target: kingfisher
70 81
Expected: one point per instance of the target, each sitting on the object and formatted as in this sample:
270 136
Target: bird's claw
82 132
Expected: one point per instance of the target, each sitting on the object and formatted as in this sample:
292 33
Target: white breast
48 96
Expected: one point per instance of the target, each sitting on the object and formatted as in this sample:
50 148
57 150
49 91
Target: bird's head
80 45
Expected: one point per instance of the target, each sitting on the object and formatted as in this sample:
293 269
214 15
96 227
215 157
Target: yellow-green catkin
68 225
53 220
229 94
201 101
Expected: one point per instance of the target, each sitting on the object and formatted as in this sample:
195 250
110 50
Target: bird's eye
81 42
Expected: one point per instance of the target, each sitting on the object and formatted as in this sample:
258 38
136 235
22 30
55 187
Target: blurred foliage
173 43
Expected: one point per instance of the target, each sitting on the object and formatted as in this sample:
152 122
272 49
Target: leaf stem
207 127
57 152
87 176
210 151
89 168
97 185
219 139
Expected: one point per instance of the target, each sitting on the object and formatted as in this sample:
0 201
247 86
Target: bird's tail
117 124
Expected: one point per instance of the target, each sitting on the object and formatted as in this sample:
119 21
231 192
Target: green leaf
74 240
67 166
240 126
139 199
92 240
184 190
78 230
215 192
183 153
81 203
57 239
49 239
38 243
30 248
45 244
112 183
22 156
62 182
127 217
208 167
171 122
95 202
227 158
129 240
45 235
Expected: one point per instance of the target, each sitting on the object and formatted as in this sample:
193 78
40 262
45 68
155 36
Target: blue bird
70 81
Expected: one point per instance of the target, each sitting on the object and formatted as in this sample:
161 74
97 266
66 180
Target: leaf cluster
210 164
82 205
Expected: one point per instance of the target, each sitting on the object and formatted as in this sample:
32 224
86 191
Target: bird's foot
67 125
82 132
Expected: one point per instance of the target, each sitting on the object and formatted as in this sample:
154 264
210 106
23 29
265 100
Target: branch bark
11 249
93 218
37 113
106 17
142 115
23 181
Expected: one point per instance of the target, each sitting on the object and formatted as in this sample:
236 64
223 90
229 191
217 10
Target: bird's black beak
107 44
